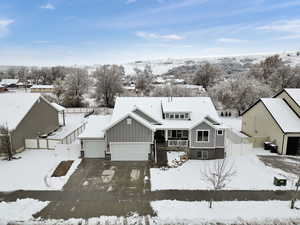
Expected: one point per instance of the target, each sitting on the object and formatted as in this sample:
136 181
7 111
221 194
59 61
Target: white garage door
129 151
94 148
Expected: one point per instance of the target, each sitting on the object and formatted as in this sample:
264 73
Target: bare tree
108 84
207 75
217 175
239 93
172 90
75 85
144 79
5 145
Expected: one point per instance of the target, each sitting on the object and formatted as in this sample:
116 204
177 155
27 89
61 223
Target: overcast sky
37 32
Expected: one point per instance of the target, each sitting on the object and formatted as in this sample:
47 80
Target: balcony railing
178 143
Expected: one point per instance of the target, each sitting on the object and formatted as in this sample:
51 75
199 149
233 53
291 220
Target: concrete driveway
105 176
111 188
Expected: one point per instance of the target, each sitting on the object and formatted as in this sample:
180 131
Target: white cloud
283 26
48 6
130 1
286 29
4 23
170 37
230 40
177 4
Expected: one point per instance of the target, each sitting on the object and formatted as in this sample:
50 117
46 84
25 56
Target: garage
129 151
94 148
293 146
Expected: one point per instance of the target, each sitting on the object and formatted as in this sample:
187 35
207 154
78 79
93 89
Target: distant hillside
229 64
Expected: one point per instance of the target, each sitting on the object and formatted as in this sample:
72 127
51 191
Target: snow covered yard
181 212
20 210
34 169
251 174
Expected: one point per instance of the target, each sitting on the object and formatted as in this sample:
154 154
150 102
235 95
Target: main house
141 126
26 116
277 120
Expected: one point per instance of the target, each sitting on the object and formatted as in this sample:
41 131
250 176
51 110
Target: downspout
283 137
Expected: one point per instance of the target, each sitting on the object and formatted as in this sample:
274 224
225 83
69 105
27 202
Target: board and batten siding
134 132
212 136
42 118
258 123
220 139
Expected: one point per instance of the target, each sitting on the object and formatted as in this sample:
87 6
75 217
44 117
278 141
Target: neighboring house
42 89
9 83
26 116
140 126
277 120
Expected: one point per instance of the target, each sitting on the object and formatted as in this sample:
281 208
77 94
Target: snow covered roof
14 107
58 107
283 114
294 93
9 81
198 107
95 127
42 86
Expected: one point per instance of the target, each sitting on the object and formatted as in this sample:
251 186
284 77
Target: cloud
48 6
287 29
170 37
167 6
283 26
130 1
230 40
4 23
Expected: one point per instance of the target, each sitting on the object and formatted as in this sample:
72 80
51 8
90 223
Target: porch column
166 135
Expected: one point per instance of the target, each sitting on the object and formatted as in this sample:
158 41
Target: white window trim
129 121
220 134
202 141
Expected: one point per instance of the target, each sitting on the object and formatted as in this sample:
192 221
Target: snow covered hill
164 65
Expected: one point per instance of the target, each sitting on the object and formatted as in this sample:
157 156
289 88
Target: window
171 116
185 133
181 116
179 133
199 155
202 135
129 121
220 132
176 116
186 115
167 115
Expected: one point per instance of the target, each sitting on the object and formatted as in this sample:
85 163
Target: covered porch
170 139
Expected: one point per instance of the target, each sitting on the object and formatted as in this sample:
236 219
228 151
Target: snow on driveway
33 170
181 212
251 174
20 210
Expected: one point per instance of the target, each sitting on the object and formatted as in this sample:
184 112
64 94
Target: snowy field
251 174
33 170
